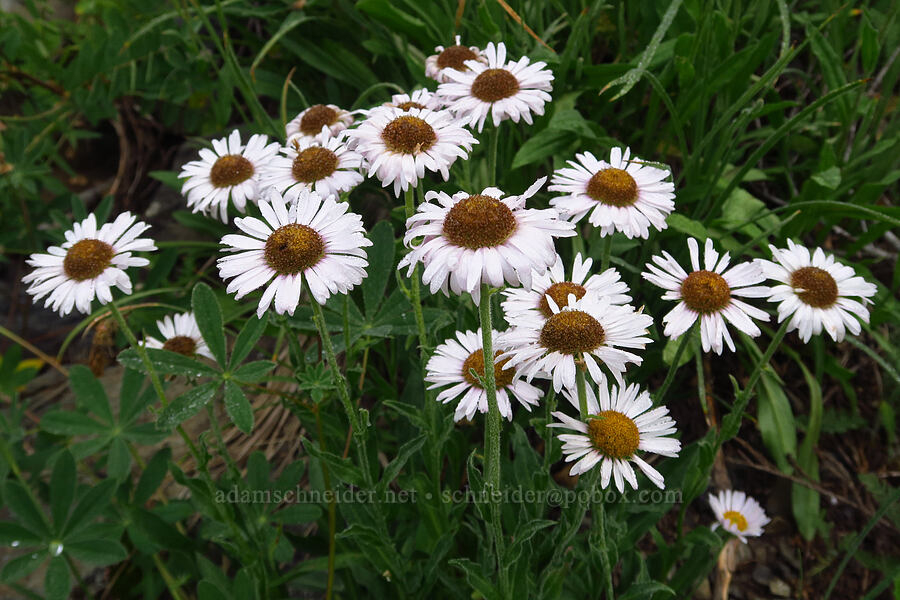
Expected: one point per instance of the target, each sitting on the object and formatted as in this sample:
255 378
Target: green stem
142 352
171 584
606 252
701 380
346 326
415 293
340 382
599 511
326 476
670 376
493 142
582 392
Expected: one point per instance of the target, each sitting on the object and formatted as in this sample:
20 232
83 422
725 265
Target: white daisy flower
482 238
327 167
452 364
399 145
709 294
451 57
553 283
315 239
817 292
229 170
589 329
318 121
180 334
621 195
623 422
421 98
88 264
738 514
504 90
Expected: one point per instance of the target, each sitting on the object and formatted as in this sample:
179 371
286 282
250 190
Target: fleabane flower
399 145
816 292
710 294
180 334
589 329
453 58
470 239
325 166
320 121
620 425
88 264
452 364
623 195
553 283
229 170
504 90
304 238
738 514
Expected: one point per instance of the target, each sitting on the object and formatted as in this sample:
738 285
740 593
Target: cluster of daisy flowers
565 325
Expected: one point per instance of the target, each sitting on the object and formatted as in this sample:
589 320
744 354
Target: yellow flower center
614 187
560 294
317 117
571 332
705 292
455 57
294 248
405 106
495 84
737 519
314 163
479 222
614 434
181 344
230 170
819 289
475 362
408 135
86 259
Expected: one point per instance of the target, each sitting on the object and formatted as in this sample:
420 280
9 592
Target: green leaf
238 407
538 147
90 393
19 501
829 178
395 19
474 575
21 566
167 178
62 488
679 222
56 580
776 420
295 514
207 590
253 371
805 501
14 535
381 265
247 338
91 504
671 349
209 319
152 476
169 363
647 589
99 552
186 405
868 48
118 461
403 455
61 422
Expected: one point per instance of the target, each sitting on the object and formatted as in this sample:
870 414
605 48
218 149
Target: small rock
762 574
779 588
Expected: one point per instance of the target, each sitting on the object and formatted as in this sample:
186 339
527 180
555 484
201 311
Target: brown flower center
181 344
571 332
614 434
495 84
705 292
314 163
614 187
317 117
405 106
475 362
230 170
408 135
819 289
560 294
294 248
86 259
455 57
479 222
737 519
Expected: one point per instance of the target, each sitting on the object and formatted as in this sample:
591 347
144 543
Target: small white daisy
621 195
553 283
327 167
482 238
709 294
589 329
399 145
451 57
421 98
320 121
229 170
451 365
738 514
88 264
817 292
504 90
180 334
623 422
315 239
